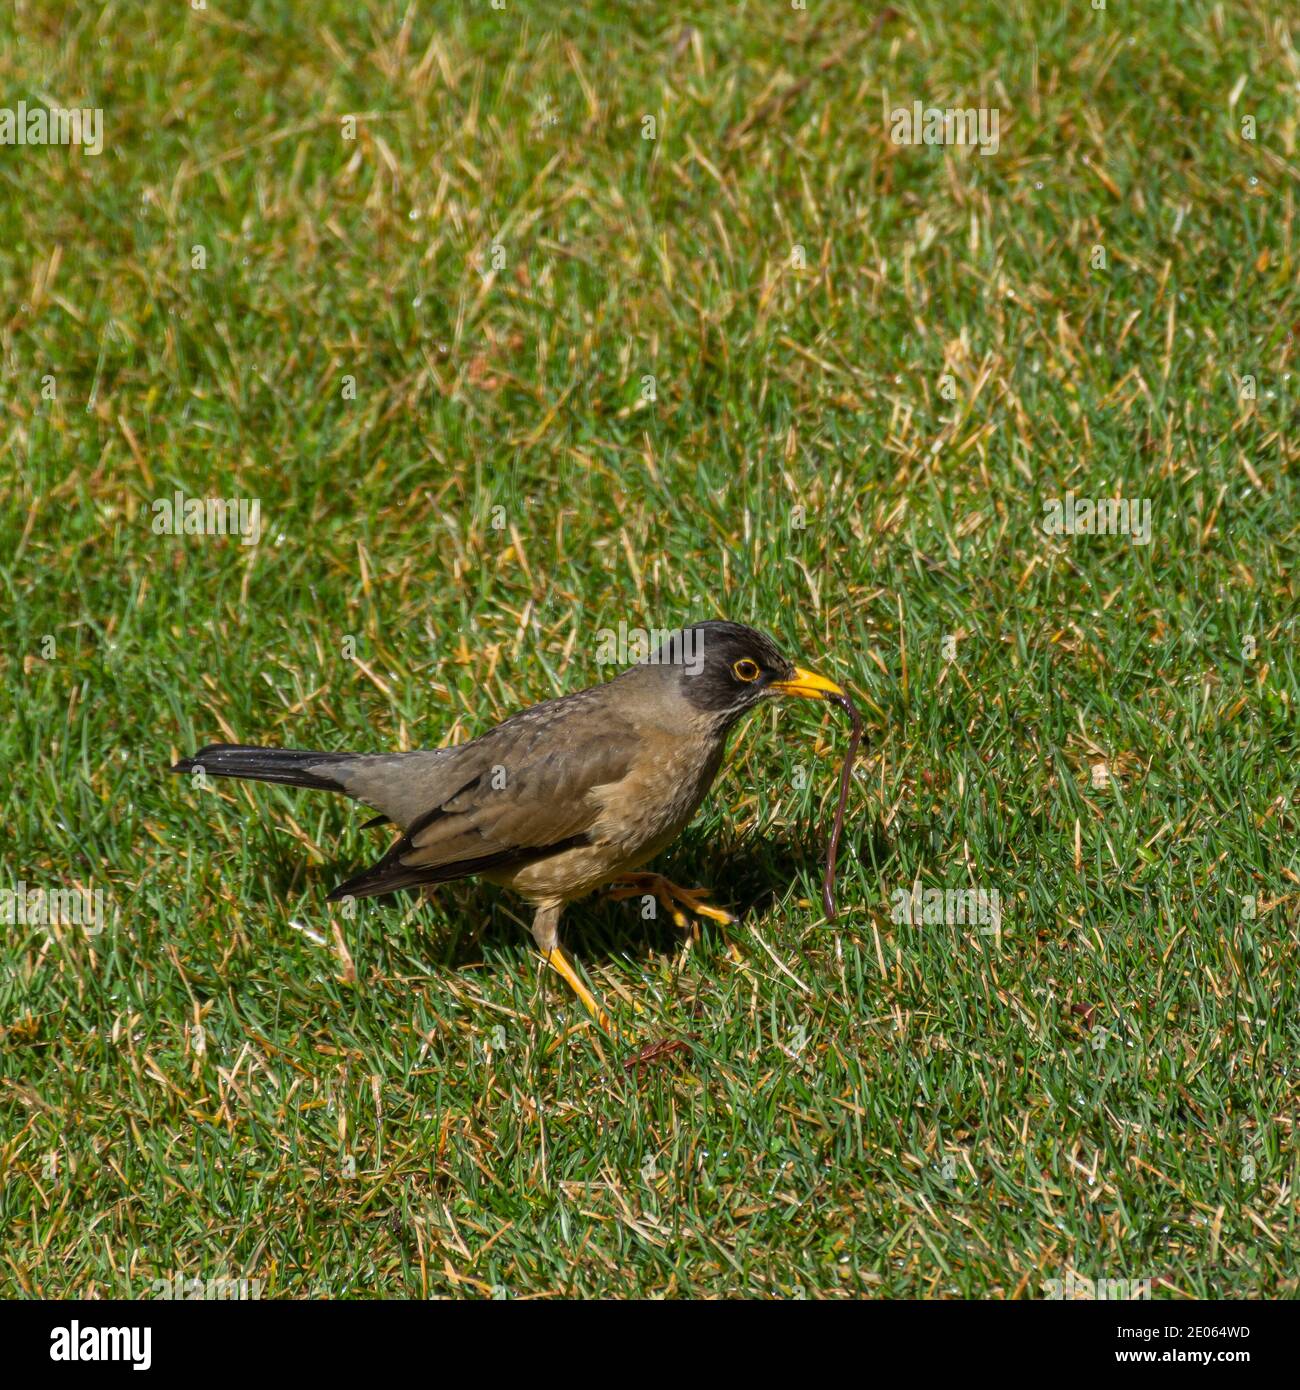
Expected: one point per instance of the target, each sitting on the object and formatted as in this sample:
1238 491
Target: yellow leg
673 897
560 963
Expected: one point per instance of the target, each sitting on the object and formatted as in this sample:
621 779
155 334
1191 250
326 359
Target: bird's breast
640 815
648 808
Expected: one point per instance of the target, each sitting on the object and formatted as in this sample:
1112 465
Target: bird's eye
746 670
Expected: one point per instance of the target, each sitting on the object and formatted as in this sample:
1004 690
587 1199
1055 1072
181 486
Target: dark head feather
724 668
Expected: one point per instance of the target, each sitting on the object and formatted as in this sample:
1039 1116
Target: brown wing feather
527 793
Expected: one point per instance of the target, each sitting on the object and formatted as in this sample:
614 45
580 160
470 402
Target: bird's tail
292 767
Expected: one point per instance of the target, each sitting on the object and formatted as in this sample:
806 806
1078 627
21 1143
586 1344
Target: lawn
521 323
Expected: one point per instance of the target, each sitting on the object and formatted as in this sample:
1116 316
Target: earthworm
846 773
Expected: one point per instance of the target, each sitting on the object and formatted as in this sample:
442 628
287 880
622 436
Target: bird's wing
519 794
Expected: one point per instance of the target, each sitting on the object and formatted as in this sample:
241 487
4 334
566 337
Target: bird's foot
673 897
563 967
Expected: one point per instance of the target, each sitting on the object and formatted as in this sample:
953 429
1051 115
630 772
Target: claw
671 895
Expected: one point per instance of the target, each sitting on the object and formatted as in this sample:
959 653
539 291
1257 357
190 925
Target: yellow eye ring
746 670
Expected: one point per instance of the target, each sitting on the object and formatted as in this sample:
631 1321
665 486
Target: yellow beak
808 684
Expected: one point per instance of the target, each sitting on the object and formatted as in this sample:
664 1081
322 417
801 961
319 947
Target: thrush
565 797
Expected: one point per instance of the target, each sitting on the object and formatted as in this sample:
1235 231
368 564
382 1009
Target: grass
213 1085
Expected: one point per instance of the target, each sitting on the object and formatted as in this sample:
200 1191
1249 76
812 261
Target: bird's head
723 669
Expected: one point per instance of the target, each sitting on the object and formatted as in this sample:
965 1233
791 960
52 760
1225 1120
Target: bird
568 796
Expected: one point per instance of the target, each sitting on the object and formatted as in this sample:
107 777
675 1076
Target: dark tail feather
379 879
292 767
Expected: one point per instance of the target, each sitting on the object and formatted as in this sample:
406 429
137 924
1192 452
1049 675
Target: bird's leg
673 897
546 933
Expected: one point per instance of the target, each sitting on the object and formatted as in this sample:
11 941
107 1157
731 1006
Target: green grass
1108 1087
